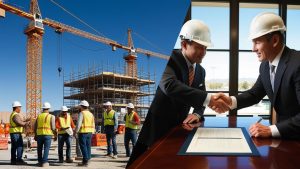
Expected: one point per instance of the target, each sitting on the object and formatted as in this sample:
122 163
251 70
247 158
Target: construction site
101 83
95 83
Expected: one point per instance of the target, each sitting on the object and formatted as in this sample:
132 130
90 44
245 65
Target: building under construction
100 83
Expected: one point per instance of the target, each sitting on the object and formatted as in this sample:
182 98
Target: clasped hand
220 103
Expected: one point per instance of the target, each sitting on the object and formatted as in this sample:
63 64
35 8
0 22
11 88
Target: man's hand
220 103
190 127
259 130
191 118
55 138
27 123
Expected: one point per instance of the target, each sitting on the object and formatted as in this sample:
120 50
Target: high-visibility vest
128 119
64 123
14 128
88 122
44 124
109 118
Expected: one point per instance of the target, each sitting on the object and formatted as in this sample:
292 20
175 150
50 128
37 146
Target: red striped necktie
191 74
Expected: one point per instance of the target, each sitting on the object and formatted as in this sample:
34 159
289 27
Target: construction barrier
99 140
4 143
6 129
2 133
121 128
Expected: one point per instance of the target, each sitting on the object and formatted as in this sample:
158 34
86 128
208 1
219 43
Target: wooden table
163 154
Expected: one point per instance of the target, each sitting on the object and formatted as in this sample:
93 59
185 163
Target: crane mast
34 32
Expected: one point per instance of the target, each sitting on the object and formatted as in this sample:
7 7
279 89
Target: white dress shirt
207 100
275 62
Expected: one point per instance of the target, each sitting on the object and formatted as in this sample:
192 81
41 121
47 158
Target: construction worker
132 121
44 130
65 126
110 128
16 129
85 127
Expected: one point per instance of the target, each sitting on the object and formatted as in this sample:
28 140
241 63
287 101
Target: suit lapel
183 67
197 77
266 79
280 71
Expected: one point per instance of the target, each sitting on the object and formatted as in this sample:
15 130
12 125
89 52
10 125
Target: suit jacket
286 96
173 99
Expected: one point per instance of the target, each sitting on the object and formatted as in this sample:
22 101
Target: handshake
220 103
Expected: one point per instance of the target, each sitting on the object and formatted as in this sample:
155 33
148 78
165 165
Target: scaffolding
100 83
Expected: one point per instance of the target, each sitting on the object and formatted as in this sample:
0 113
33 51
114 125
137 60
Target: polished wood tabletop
274 153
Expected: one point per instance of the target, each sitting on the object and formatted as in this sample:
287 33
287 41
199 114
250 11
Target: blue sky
157 21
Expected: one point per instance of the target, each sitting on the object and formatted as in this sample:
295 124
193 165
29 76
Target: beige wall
4 117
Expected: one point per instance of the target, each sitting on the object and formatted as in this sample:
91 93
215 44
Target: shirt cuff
198 115
233 103
274 131
207 100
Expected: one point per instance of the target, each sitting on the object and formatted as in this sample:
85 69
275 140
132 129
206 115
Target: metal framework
100 83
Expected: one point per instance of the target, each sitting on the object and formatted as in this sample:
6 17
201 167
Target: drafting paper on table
219 141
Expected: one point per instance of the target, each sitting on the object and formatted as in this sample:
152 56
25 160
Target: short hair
188 41
84 107
279 33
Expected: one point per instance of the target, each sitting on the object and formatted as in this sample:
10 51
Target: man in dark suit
279 78
182 86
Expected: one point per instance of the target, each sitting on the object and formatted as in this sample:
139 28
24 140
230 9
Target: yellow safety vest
88 122
64 123
128 120
109 118
44 124
13 126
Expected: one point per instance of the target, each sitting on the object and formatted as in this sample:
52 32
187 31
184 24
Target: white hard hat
46 105
64 108
16 104
196 31
265 23
84 103
130 105
107 104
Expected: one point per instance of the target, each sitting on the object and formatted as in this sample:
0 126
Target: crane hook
59 70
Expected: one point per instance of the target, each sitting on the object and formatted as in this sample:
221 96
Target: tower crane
35 32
